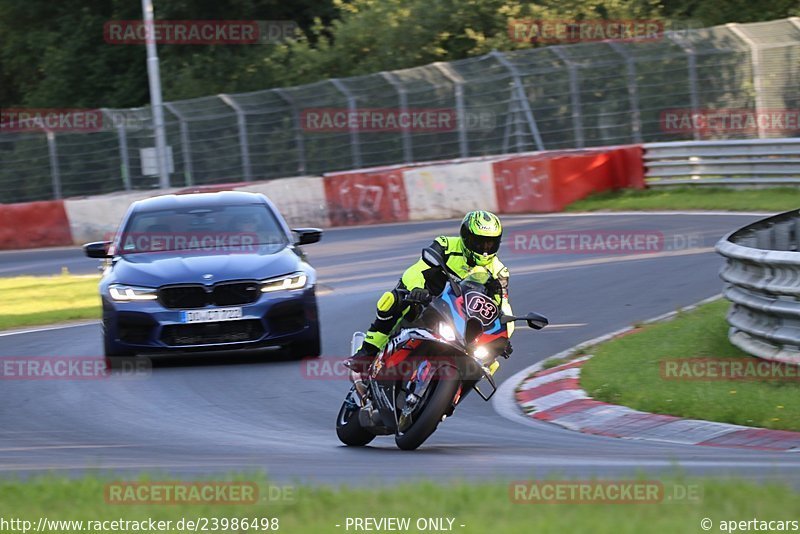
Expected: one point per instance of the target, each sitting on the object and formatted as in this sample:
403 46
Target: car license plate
211 316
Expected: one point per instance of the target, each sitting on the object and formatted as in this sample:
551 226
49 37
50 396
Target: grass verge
38 300
691 198
628 371
479 507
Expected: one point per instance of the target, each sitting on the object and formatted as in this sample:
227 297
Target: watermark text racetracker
206 492
63 120
603 492
329 120
745 369
199 32
202 242
601 242
71 368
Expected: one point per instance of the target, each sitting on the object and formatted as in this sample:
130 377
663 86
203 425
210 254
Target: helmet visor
481 244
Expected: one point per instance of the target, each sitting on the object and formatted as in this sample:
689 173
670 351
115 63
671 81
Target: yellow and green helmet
481 232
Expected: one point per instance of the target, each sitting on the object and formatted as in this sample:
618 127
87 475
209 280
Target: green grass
627 371
480 507
692 198
38 300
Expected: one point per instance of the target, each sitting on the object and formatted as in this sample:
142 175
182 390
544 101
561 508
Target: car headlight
482 354
446 331
291 281
123 293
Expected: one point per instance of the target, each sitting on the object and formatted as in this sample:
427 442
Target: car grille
210 333
198 296
286 318
135 327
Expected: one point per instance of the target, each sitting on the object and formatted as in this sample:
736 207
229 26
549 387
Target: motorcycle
448 348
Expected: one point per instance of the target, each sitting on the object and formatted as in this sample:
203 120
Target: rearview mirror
98 249
536 321
306 236
432 257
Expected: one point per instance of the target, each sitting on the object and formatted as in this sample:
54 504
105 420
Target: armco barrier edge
762 272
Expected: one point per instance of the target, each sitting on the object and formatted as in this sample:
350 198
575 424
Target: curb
554 396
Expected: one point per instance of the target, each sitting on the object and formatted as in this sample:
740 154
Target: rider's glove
493 287
419 296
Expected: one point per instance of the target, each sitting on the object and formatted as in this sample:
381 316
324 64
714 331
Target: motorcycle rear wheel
438 404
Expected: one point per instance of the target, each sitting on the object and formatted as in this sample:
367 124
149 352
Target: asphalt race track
205 414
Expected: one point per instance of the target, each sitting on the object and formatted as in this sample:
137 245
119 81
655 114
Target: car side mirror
432 257
98 249
306 236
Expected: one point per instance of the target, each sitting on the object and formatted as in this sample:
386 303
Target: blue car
207 271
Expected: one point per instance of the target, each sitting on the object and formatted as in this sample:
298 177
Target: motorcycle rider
476 247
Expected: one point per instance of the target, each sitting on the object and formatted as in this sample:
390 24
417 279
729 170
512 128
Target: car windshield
231 228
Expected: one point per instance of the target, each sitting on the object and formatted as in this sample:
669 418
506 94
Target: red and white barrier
535 183
33 225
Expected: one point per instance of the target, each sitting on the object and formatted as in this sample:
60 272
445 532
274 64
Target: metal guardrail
762 272
731 162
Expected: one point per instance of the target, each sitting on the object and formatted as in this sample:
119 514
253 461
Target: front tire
348 428
439 404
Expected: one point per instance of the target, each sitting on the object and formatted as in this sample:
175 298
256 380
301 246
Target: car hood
154 269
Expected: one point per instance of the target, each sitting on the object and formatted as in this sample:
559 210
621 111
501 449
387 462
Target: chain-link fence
569 96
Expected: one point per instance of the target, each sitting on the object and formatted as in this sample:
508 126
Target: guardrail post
355 146
758 78
122 136
55 172
574 94
691 61
299 140
185 143
633 90
408 156
458 89
521 97
243 144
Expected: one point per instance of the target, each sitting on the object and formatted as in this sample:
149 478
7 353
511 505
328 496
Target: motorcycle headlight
446 331
482 354
123 293
291 281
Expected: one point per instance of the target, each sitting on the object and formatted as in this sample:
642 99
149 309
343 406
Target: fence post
299 140
758 78
355 147
402 97
55 173
633 90
574 94
185 144
122 136
242 121
458 89
691 61
521 97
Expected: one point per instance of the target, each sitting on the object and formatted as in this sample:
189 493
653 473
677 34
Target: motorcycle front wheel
437 405
348 428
